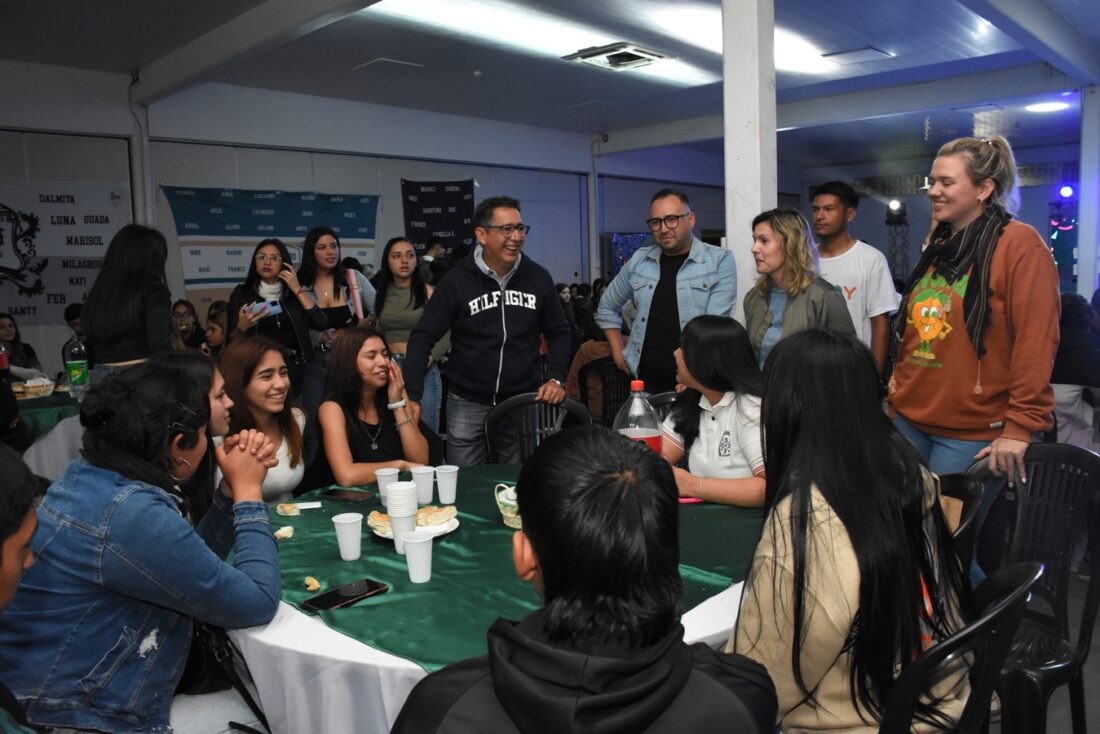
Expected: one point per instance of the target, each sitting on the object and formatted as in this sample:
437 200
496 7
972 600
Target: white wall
551 201
30 157
228 114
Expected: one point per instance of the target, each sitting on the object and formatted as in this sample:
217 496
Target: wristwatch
557 382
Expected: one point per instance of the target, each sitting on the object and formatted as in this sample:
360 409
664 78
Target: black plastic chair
983 644
532 421
1062 491
615 384
662 403
968 490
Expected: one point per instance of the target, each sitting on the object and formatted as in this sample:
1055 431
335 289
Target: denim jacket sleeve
149 552
724 295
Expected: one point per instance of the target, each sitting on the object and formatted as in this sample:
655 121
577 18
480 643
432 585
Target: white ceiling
500 59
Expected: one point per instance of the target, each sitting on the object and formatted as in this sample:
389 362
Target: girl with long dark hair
360 432
716 417
402 296
127 316
97 636
325 279
271 278
257 381
854 574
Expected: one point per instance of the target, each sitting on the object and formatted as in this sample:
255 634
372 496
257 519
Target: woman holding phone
273 304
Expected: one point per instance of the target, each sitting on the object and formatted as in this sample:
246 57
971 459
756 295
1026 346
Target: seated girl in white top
257 382
716 418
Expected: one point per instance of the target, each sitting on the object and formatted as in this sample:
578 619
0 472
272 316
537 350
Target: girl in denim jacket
98 634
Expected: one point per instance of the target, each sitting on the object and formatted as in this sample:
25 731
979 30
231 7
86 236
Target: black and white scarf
970 250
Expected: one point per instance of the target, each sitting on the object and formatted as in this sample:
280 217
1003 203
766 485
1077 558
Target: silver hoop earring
190 470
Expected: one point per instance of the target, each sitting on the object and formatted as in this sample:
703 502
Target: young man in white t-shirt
858 270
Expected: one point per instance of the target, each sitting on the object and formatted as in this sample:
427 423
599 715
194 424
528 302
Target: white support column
748 66
142 190
1088 212
595 256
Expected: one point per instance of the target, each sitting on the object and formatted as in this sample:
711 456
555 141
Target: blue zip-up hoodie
494 333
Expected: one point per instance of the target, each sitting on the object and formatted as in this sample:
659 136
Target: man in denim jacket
670 283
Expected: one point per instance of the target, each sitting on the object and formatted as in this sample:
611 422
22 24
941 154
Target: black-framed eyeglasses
510 229
671 221
264 257
181 316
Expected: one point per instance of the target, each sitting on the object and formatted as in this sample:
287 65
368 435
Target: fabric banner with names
443 209
219 228
53 236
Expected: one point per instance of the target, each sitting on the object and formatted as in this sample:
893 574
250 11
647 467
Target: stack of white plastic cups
401 505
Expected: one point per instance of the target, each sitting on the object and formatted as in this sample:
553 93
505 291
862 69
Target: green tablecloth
473 580
42 414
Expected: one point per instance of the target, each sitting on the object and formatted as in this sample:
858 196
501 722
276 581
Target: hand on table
687 484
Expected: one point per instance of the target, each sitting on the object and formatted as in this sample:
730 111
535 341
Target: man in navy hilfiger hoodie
495 303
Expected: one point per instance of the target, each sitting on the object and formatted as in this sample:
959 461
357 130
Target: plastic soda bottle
76 364
637 420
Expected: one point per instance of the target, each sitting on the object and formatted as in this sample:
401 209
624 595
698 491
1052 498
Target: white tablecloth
311 678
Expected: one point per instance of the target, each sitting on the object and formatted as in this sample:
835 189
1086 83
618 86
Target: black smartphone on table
345 596
347 495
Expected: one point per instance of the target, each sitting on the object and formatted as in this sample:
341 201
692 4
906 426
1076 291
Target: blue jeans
952 456
432 399
466 434
101 372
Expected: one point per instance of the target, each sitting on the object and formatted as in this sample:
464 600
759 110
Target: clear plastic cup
349 534
418 555
447 478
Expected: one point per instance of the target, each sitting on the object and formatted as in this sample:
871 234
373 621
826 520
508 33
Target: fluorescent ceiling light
524 29
699 25
795 53
1047 107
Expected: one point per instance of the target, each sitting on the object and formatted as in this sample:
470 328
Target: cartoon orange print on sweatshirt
929 309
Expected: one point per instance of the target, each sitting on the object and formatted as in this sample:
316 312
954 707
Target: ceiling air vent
618 56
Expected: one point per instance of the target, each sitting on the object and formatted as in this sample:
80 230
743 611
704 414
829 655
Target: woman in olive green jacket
788 297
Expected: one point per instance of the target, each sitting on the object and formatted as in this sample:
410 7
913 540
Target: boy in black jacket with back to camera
606 653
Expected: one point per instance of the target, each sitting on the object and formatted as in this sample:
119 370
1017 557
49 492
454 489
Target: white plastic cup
402 525
349 534
447 478
384 478
424 476
418 555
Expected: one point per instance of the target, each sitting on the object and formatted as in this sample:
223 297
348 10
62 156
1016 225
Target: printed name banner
443 209
53 237
219 228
